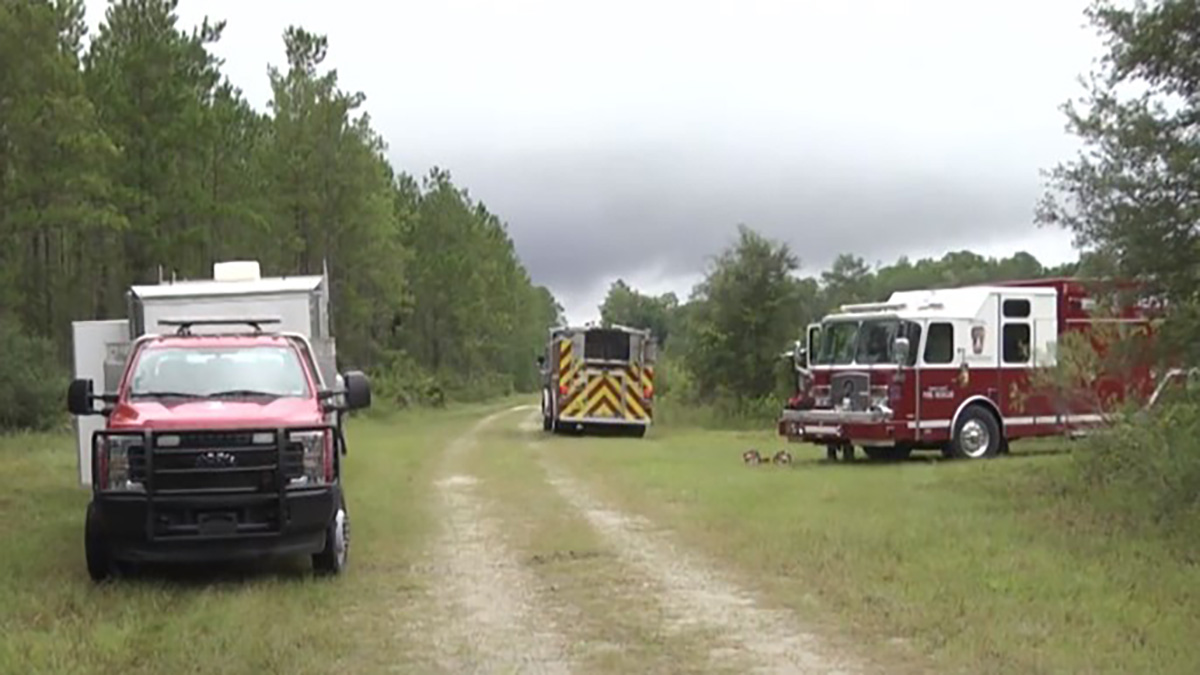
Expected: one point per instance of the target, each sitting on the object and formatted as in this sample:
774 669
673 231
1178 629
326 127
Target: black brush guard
214 484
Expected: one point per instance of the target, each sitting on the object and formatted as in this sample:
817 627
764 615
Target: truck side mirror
80 397
800 356
901 350
358 390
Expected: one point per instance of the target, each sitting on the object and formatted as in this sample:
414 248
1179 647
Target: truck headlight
120 463
316 450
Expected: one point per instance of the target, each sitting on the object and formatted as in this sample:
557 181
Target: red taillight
562 389
647 392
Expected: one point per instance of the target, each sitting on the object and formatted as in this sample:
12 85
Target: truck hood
226 413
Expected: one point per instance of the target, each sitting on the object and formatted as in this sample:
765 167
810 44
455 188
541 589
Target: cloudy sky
628 139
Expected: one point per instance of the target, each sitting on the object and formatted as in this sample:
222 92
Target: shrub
1146 470
32 383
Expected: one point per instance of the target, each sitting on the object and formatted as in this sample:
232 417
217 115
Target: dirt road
643 598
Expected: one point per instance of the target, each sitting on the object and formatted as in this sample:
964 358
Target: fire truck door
1015 351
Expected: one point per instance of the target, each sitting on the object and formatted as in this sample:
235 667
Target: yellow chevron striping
633 405
602 393
564 355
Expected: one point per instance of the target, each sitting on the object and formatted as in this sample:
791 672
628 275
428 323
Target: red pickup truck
216 447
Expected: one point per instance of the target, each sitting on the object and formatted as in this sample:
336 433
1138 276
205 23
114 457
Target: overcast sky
628 139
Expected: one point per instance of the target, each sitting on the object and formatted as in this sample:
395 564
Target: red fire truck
949 369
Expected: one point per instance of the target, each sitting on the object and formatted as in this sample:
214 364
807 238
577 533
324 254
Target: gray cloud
629 138
582 217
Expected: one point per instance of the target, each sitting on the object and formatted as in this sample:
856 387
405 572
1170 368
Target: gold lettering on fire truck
939 392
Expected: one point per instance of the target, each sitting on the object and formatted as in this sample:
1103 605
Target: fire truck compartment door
99 351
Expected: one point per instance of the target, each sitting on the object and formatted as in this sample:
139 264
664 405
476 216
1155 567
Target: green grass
978 566
265 618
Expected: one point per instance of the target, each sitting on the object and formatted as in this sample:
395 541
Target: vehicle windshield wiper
243 392
163 394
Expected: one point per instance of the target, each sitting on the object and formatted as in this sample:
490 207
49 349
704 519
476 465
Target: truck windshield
192 372
865 342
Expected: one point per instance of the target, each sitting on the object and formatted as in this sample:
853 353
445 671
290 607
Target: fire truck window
875 342
1016 343
837 343
939 346
608 345
1016 308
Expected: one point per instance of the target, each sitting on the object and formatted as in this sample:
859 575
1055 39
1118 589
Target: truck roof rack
184 326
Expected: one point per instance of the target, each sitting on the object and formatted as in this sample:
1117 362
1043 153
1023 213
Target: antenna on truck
184 326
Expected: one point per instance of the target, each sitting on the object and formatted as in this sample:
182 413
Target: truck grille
853 386
224 461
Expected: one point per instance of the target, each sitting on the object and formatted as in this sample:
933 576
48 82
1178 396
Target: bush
682 404
722 412
33 385
399 382
1146 470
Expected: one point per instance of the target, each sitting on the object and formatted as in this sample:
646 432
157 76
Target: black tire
547 423
100 564
976 435
332 560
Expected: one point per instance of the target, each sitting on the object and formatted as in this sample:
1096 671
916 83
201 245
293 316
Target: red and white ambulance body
945 369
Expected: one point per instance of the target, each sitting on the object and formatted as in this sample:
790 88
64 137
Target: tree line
135 156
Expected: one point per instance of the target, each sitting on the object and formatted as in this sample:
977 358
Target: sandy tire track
492 616
691 591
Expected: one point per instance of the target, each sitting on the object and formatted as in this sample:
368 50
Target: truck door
100 349
1016 352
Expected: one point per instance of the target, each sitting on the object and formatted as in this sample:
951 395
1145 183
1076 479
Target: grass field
468 541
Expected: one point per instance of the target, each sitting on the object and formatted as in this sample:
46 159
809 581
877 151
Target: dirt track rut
496 619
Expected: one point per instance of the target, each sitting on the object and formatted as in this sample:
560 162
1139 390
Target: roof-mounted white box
237 270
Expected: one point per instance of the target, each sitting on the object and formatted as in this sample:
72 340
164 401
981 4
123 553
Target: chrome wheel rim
974 438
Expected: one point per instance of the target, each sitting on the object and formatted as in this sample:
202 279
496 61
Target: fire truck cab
941 369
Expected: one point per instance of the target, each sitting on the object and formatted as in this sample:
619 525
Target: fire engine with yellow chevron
596 376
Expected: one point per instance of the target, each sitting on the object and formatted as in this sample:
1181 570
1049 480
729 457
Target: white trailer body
300 304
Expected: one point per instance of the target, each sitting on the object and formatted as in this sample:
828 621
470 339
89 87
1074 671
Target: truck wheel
100 565
977 434
332 559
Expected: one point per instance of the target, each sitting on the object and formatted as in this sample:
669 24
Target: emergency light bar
871 307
